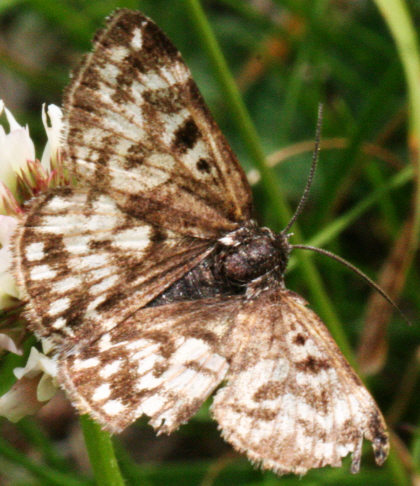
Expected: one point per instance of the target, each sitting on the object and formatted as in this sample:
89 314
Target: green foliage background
358 57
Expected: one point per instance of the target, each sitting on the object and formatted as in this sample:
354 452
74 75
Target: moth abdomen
202 282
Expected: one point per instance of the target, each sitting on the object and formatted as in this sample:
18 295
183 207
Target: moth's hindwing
163 362
293 402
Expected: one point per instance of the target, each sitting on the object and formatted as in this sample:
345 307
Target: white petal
7 228
47 156
7 174
47 345
20 400
37 362
19 149
16 149
53 132
14 125
7 343
46 388
8 284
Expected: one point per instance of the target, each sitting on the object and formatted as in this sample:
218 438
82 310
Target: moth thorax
255 257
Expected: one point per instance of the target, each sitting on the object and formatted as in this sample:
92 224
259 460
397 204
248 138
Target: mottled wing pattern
138 129
292 402
86 266
164 362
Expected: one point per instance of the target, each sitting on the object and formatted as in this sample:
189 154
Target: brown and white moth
156 285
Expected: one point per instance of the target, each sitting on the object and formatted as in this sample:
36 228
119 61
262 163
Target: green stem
101 453
397 17
271 184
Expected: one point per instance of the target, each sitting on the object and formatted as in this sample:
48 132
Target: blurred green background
286 56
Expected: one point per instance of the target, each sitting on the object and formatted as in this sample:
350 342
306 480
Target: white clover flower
40 363
16 148
17 157
20 170
36 384
18 166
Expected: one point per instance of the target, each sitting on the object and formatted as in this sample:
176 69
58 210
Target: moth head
252 252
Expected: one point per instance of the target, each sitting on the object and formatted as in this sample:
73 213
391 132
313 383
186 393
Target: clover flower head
22 177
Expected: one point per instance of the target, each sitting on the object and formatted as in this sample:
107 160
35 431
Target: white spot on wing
105 342
152 404
102 392
58 306
92 261
42 272
35 251
103 286
58 203
60 323
69 283
149 381
147 363
155 171
113 407
137 238
81 364
191 349
77 245
100 273
136 41
110 369
193 155
118 53
171 123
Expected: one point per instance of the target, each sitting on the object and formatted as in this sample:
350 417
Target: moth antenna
309 182
357 272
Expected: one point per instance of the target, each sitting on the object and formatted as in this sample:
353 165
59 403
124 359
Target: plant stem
397 17
101 453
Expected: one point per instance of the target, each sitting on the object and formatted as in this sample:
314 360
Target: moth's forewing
138 128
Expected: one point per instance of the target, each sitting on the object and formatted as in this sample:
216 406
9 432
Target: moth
156 285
